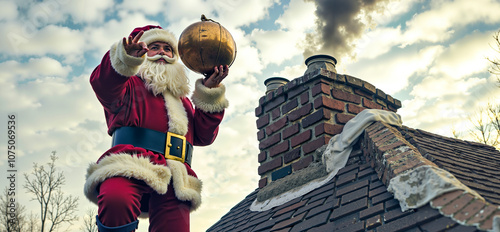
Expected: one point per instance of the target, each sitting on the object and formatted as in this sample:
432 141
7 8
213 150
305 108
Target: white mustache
157 57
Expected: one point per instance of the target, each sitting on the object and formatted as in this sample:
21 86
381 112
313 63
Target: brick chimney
296 118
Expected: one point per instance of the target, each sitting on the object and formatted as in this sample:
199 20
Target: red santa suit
128 102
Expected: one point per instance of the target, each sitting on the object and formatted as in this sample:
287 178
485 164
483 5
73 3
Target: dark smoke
339 25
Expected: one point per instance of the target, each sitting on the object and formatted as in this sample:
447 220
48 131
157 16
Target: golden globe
206 44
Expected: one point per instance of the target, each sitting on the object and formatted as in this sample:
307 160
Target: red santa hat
153 33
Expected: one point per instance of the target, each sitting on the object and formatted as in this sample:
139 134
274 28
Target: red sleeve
206 127
108 85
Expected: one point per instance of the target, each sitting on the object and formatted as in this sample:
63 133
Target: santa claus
143 89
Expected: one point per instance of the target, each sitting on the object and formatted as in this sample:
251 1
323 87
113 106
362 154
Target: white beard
160 77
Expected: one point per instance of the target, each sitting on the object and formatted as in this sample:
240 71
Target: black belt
172 146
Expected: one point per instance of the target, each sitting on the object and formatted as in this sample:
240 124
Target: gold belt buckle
170 146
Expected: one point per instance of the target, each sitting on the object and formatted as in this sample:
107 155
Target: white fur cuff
211 100
122 62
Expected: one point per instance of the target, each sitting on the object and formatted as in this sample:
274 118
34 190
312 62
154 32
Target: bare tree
495 62
12 218
45 184
486 125
32 223
89 222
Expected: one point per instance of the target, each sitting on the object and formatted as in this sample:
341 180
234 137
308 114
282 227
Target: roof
357 198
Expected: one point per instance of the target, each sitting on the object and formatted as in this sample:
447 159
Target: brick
291 130
261 134
446 198
392 204
289 106
320 209
290 208
279 148
354 109
373 222
419 216
394 214
349 208
262 121
469 210
350 188
377 191
360 193
262 182
270 141
300 112
457 204
343 118
346 178
440 224
262 157
394 145
276 126
369 87
483 214
488 224
382 197
363 93
320 88
304 98
310 223
273 164
288 222
349 97
316 117
276 113
380 94
330 103
315 144
303 163
291 155
258 111
354 81
309 206
371 105
297 89
366 172
275 102
376 209
301 138
327 128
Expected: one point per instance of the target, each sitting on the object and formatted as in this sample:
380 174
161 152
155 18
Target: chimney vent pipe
320 61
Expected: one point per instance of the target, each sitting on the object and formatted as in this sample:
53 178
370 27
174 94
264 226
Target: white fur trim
177 116
122 62
211 100
186 187
162 35
156 176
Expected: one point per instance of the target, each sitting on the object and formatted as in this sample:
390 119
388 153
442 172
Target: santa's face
160 49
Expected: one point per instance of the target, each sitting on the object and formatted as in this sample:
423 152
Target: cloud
444 17
8 11
465 57
392 73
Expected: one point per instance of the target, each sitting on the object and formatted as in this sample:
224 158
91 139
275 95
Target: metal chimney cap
274 83
317 62
321 57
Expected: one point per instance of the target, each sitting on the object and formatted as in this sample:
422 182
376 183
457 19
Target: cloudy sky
431 55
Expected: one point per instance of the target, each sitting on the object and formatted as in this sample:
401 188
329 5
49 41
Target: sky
431 55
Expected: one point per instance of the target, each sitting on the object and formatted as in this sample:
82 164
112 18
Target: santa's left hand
217 76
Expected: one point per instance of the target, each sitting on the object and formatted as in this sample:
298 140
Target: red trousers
119 203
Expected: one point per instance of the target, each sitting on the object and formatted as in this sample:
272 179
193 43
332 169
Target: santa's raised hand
217 76
133 47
